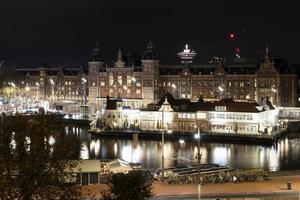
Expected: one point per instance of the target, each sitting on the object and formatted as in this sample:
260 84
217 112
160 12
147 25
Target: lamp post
52 91
37 96
27 89
84 81
163 145
199 155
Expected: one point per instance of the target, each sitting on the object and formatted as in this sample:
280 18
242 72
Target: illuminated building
140 80
183 115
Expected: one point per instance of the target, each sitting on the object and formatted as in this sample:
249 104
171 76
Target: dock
188 136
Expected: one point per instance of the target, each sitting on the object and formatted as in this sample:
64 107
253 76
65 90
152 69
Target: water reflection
285 154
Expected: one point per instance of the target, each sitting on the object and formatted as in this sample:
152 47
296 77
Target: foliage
32 159
136 185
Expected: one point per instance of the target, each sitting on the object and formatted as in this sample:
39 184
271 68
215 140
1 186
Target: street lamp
52 90
221 89
199 155
27 89
163 145
37 90
84 81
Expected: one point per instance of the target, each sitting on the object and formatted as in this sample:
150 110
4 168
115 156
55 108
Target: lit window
138 84
138 91
201 115
94 83
221 116
102 83
128 80
120 80
111 79
220 108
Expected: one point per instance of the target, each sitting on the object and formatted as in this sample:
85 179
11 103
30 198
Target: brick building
141 79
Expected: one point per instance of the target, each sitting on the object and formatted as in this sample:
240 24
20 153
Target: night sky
64 31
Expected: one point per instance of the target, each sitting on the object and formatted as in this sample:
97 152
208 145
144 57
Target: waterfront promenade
276 185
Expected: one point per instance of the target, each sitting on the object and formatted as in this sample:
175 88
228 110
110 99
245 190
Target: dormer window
183 107
220 108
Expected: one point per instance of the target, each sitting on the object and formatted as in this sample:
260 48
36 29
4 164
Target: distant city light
181 141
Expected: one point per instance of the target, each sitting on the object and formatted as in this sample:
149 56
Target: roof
53 70
185 105
111 104
150 53
84 166
96 56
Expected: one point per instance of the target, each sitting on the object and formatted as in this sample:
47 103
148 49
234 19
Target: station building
140 79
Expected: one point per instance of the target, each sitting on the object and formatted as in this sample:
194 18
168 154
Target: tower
187 55
150 69
185 85
267 80
95 63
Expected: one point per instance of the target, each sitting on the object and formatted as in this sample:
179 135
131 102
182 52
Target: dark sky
64 31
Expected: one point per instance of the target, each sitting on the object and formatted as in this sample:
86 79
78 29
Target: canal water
283 155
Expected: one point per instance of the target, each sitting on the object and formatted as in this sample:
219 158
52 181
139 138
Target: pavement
276 186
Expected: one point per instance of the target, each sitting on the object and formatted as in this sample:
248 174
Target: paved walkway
275 184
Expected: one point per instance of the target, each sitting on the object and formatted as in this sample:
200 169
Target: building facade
140 80
184 116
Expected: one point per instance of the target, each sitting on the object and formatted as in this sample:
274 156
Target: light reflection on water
285 154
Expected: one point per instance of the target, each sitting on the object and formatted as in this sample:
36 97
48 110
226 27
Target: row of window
231 116
128 91
186 115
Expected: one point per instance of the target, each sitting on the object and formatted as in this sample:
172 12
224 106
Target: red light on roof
232 36
237 50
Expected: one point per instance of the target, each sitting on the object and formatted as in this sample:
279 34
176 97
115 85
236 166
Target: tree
136 185
33 152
